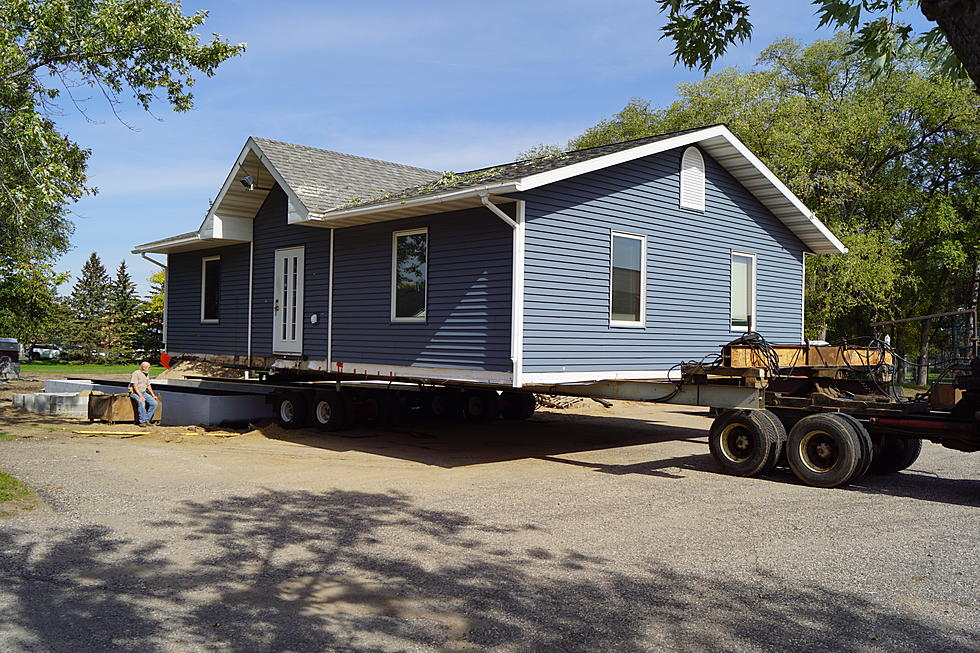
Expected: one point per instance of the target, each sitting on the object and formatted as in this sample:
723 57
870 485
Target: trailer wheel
291 410
867 448
329 411
517 405
481 405
444 405
893 454
824 450
745 442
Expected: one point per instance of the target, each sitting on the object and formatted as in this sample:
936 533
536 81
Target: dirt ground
586 529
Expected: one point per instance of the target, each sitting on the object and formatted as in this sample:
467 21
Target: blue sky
444 85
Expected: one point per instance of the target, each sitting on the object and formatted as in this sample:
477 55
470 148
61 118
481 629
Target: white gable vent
692 180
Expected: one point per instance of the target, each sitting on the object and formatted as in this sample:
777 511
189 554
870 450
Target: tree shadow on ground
303 571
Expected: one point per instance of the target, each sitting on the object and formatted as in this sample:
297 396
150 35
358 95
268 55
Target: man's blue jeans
146 408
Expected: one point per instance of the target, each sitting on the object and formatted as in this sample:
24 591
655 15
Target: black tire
444 406
893 454
780 429
517 405
867 448
824 450
481 405
744 442
291 410
329 411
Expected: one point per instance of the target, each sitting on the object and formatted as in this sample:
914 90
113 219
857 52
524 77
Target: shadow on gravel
925 487
661 467
458 444
300 571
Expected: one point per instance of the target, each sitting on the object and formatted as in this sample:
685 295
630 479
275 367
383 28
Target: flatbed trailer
774 405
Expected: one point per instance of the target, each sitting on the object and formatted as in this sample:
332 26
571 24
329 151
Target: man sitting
141 390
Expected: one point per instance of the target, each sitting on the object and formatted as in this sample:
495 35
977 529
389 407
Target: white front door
287 310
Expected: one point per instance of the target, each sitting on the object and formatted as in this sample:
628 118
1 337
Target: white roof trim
213 230
507 187
821 242
169 243
830 245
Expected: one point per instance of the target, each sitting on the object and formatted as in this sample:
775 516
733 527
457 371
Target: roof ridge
597 147
261 139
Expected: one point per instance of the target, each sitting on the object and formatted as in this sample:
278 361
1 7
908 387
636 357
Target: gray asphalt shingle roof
324 180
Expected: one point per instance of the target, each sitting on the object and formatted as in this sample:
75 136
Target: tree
891 163
124 307
28 299
90 303
149 332
146 48
702 31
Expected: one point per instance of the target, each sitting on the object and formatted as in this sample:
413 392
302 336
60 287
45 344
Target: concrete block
58 403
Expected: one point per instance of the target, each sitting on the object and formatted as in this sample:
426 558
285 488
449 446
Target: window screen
627 278
410 275
743 292
210 287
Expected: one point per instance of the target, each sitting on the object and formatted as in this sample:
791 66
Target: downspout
517 286
166 292
251 271
330 308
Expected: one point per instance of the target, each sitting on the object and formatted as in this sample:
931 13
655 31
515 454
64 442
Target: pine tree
149 339
124 307
90 304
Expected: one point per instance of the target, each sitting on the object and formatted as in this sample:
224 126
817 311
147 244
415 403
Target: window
409 274
210 288
692 180
627 297
743 292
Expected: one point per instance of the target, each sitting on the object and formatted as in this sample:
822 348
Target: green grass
55 367
11 488
7 436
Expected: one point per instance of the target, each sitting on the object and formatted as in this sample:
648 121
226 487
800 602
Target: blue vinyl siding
185 332
468 297
688 294
270 232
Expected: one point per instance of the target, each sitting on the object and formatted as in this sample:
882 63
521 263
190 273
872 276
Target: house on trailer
613 262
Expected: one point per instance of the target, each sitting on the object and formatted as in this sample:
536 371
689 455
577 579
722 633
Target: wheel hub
819 451
736 443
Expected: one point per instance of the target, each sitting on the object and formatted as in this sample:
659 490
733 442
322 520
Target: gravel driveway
571 532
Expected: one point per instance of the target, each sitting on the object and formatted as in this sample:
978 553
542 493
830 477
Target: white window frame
697 205
204 267
643 279
394 274
753 315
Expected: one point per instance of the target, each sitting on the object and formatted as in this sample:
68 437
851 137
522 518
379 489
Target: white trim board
642 322
718 141
204 266
395 235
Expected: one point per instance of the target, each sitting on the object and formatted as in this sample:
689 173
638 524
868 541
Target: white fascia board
836 245
624 156
296 206
251 146
323 218
161 247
